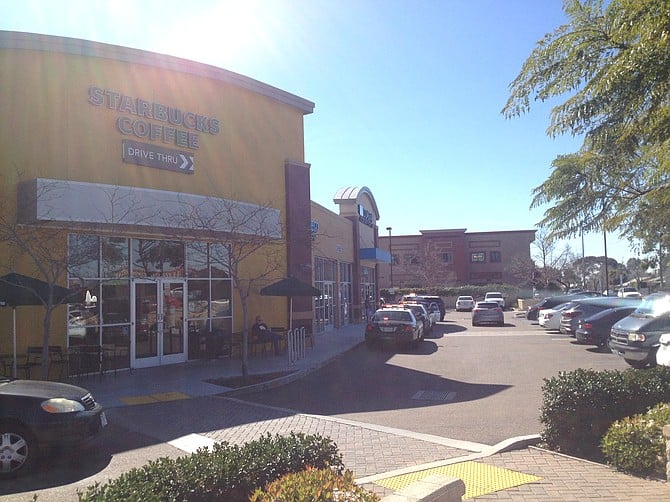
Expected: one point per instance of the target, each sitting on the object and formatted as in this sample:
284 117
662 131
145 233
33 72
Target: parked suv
427 300
396 325
421 313
466 303
636 337
495 296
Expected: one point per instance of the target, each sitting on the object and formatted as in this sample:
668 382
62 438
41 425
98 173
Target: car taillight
570 315
408 329
587 325
548 316
369 327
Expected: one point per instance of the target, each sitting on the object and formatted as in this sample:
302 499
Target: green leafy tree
611 65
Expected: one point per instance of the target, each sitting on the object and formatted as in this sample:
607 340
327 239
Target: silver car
488 313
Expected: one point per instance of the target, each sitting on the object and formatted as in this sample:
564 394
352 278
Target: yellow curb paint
154 398
137 400
170 396
479 478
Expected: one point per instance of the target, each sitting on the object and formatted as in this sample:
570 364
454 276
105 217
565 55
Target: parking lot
480 384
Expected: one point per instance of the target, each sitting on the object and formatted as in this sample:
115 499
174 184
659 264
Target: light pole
391 253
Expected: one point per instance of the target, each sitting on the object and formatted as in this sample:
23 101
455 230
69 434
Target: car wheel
474 323
501 323
18 450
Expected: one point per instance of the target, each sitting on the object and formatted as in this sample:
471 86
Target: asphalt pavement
173 410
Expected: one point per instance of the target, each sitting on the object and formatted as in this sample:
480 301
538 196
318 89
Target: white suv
495 296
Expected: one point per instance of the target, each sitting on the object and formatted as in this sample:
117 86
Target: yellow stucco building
135 170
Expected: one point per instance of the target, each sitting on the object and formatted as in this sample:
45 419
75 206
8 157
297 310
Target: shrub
635 445
312 485
579 406
226 472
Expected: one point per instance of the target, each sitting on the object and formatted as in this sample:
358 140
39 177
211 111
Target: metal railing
296 344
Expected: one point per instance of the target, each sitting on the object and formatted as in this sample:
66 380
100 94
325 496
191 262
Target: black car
35 415
595 329
589 306
397 325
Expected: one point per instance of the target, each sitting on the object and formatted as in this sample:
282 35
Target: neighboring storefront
456 257
140 166
346 258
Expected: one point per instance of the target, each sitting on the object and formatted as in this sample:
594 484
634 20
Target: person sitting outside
262 333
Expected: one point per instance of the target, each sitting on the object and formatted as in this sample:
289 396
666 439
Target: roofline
49 43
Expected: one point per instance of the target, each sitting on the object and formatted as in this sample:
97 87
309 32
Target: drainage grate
434 395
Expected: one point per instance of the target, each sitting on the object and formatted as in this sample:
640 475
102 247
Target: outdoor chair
33 360
57 359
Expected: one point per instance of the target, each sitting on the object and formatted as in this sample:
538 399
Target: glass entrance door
325 307
158 330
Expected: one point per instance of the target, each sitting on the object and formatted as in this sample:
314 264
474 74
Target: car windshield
465 298
654 305
392 315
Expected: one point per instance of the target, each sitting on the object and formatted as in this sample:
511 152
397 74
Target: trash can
522 303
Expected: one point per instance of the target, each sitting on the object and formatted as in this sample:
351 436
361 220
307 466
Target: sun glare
220 33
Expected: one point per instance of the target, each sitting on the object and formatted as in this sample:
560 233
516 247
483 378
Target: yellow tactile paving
479 478
154 398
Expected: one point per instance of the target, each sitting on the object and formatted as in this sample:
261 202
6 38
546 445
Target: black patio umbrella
290 287
17 290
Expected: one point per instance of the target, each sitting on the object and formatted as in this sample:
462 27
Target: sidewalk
384 460
189 378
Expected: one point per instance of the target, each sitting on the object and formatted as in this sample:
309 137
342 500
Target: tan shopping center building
136 170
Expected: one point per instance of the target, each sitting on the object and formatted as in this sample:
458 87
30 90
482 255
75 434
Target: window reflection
103 267
114 300
83 255
115 257
221 306
197 258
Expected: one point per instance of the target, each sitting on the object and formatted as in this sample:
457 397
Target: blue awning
374 254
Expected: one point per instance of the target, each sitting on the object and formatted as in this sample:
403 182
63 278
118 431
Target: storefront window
83 256
103 319
221 305
115 257
197 259
114 301
220 259
198 299
83 319
153 258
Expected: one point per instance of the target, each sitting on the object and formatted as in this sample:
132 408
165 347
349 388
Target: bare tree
551 263
40 250
523 268
250 251
428 266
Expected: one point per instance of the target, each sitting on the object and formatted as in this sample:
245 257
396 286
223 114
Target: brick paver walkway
569 479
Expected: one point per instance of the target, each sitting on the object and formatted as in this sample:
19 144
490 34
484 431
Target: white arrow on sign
186 162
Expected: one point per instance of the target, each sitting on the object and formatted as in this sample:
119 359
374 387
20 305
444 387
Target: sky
408 93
